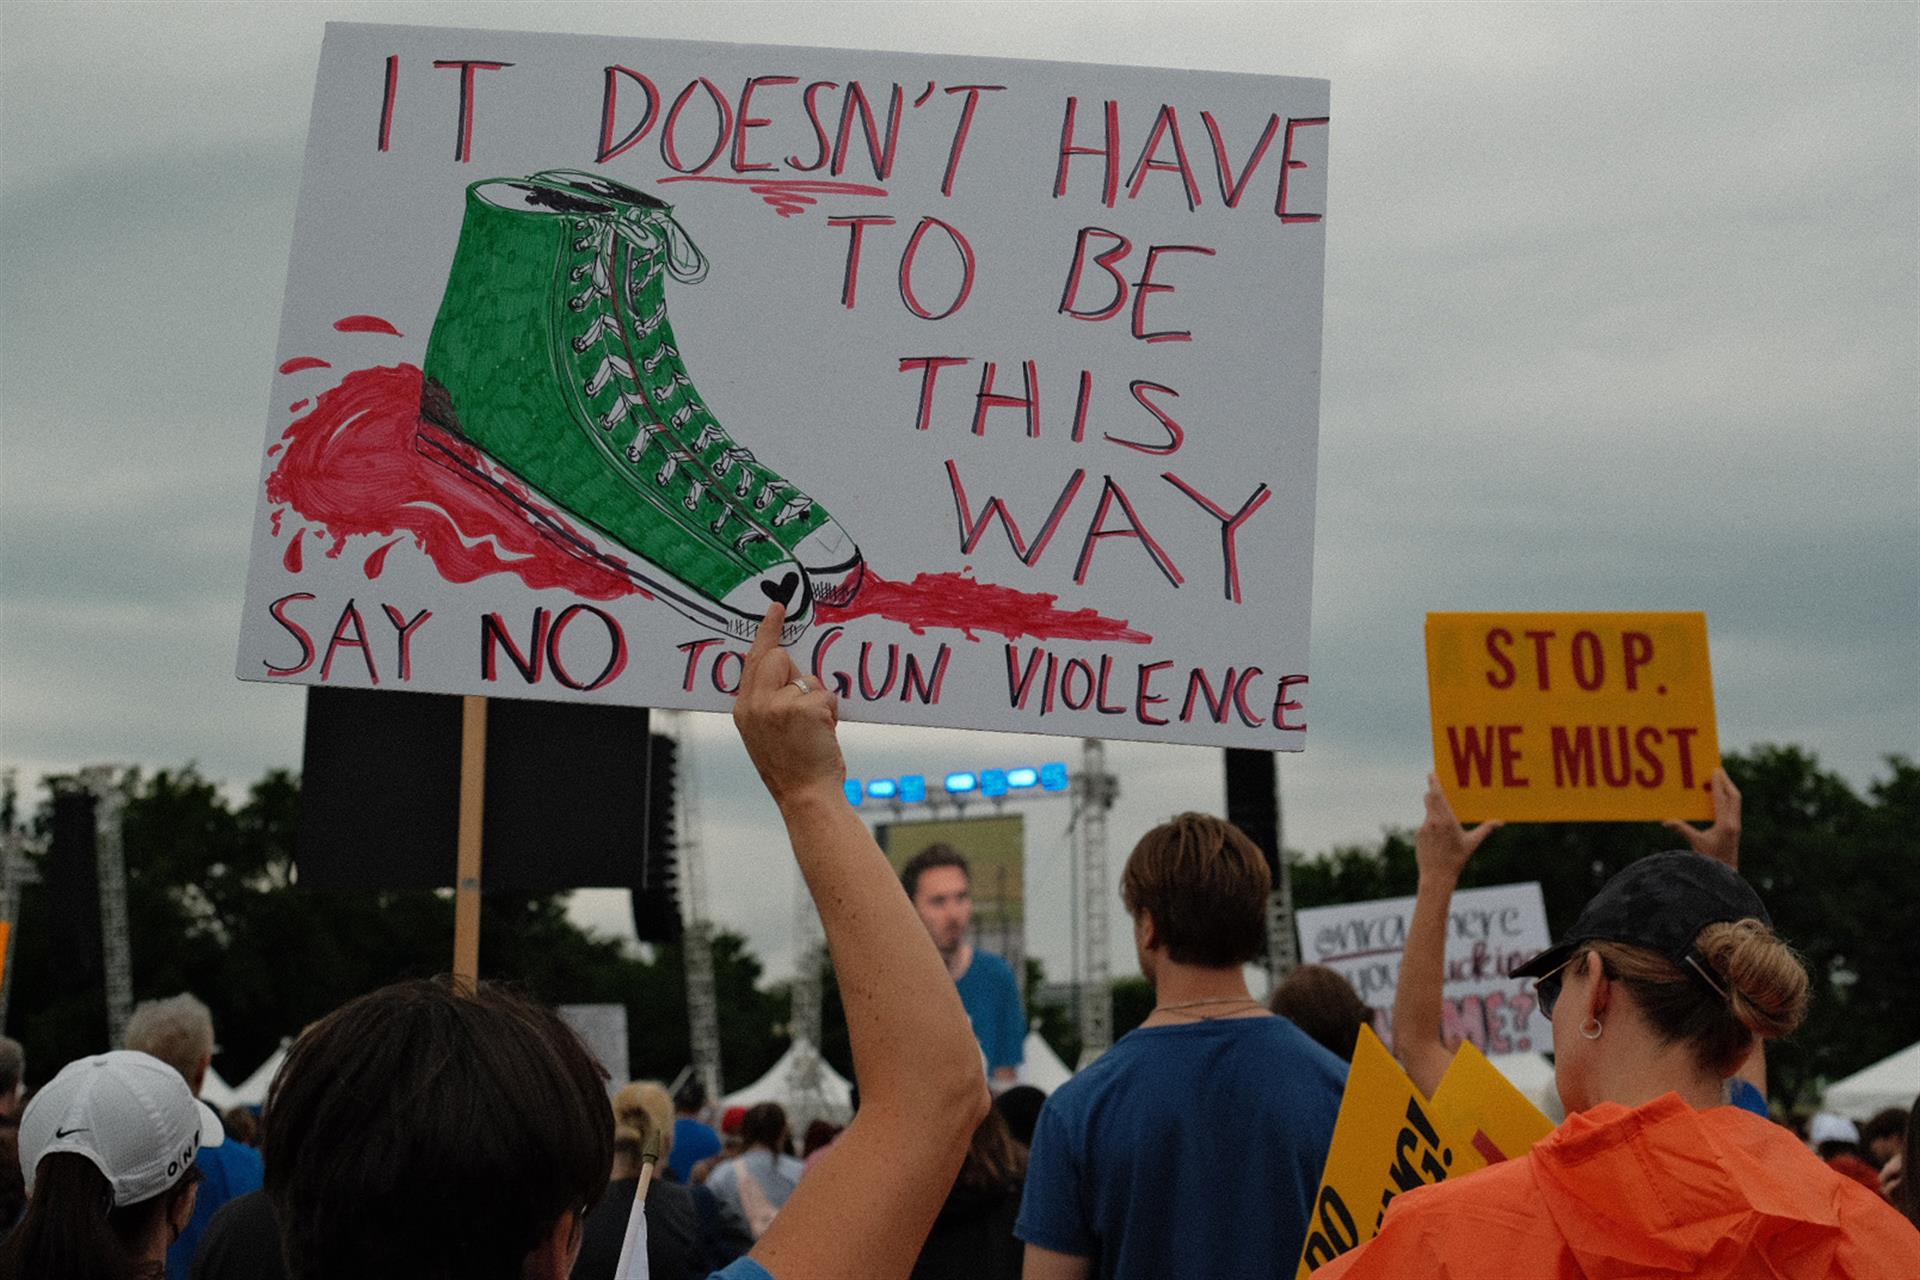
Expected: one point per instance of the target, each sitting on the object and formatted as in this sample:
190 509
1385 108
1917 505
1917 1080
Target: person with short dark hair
694 1140
432 1129
107 1150
939 883
758 1182
1322 1003
1194 1146
1884 1135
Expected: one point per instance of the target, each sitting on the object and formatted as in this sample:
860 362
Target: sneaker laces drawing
529 383
635 249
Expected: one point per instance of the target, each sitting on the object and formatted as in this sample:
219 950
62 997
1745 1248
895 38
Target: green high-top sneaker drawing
637 250
519 393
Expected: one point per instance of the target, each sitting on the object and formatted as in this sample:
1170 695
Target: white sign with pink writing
1490 932
1001 375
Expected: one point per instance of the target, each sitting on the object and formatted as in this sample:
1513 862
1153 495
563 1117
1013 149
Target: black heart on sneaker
783 590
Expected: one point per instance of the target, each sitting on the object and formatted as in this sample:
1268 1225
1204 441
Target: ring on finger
801 685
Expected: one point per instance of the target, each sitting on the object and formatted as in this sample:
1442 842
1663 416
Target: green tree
214 908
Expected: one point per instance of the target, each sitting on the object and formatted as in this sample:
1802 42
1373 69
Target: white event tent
1043 1069
1891 1082
781 1084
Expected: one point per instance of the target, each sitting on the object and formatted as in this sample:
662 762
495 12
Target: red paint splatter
365 324
788 196
377 562
350 468
298 363
964 604
292 558
298 405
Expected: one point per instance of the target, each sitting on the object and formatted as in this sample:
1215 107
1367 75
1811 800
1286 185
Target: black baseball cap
1661 902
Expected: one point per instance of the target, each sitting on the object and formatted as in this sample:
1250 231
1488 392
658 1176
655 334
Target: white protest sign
1002 375
1490 932
603 1029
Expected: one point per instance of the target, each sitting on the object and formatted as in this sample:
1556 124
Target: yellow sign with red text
1388 1139
1573 717
1478 1103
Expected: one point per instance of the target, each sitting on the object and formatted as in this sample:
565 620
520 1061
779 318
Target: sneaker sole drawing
738 615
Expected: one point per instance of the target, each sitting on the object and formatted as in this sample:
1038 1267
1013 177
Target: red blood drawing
298 363
292 558
365 324
377 562
967 605
350 468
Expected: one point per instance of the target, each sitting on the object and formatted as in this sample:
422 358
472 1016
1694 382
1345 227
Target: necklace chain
1198 1004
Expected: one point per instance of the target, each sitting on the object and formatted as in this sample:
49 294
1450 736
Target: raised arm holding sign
865 1208
1441 847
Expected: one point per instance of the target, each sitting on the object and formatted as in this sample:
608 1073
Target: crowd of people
446 1129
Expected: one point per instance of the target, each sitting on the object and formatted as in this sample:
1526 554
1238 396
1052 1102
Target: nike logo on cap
67 1133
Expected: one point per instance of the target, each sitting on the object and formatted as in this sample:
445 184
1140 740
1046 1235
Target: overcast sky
1622 312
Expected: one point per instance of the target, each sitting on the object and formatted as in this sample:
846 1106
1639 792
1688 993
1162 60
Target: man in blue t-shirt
940 884
1194 1146
693 1139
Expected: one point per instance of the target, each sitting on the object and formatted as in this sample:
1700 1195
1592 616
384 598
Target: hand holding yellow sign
1573 717
1388 1139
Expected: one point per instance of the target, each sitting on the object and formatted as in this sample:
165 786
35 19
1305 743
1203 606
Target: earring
1591 1028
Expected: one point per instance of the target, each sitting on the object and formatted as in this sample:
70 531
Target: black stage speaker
1253 801
73 889
568 794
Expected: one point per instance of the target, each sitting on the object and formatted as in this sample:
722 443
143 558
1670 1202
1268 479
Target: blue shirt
992 999
228 1171
692 1143
1191 1150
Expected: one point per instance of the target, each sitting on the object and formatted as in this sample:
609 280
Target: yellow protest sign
6 936
1385 1141
1572 717
1476 1102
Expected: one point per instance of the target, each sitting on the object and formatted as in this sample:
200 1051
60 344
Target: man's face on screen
944 899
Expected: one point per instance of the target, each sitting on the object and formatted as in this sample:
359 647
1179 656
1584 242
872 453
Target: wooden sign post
473 795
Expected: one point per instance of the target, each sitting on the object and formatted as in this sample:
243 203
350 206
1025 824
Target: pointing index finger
763 668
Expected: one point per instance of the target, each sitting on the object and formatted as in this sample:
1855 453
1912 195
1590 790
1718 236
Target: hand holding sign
1442 845
786 721
1721 841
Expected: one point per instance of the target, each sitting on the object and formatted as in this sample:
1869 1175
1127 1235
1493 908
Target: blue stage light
993 782
854 795
913 789
1022 778
882 789
961 783
1053 777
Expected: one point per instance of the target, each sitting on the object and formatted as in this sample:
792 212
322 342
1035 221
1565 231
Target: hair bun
1767 986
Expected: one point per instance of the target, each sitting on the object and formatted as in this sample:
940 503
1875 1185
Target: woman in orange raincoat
1657 995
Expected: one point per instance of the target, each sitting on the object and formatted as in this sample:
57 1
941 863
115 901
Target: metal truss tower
1094 791
696 943
804 1087
110 859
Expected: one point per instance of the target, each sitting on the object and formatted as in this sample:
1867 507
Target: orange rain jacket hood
1662 1190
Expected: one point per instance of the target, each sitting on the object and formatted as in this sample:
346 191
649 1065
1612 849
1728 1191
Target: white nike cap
129 1113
